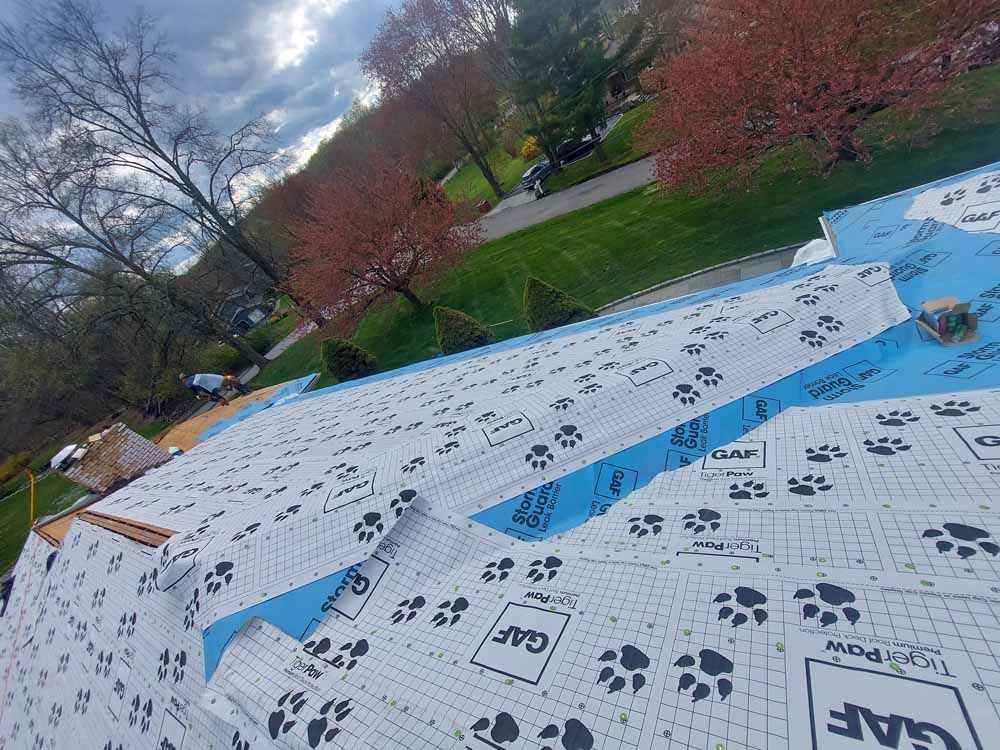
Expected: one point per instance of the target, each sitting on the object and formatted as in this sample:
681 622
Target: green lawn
301 358
470 185
630 242
606 251
53 493
620 148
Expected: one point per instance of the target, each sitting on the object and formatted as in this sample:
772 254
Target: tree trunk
484 166
245 349
413 299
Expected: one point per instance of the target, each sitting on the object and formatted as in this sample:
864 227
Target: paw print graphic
510 389
710 663
369 525
240 743
504 730
959 532
349 654
815 340
896 418
447 448
145 715
456 608
126 625
632 660
407 609
584 378
103 667
97 600
497 571
281 719
55 714
177 670
609 366
82 701
164 665
250 530
116 564
574 736
402 501
885 446
747 598
808 299
954 409
63 664
191 610
826 288
708 376
561 404
219 576
629 346
539 456
287 513
824 454
647 524
952 196
702 520
486 417
698 330
716 335
808 485
829 323
829 596
590 388
990 182
686 394
568 436
456 431
323 728
748 490
542 570
693 349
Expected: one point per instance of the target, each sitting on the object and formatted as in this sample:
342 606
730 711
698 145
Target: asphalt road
499 223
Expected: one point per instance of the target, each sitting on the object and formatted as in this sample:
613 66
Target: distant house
243 309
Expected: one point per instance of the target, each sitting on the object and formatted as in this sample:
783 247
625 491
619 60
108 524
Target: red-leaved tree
758 74
365 235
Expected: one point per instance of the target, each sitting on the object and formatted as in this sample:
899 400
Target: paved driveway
499 223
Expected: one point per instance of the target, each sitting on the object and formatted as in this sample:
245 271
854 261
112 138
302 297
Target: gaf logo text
750 454
982 440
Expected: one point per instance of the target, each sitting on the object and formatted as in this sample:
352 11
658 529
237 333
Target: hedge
547 307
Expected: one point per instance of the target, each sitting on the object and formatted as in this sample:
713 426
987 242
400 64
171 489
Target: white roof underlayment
816 578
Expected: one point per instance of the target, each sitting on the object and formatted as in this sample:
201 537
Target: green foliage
547 307
457 332
218 358
13 466
560 61
347 361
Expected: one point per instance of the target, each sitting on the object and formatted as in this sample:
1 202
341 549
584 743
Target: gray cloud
294 58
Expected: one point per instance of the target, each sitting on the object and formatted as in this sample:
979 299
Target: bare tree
112 92
65 218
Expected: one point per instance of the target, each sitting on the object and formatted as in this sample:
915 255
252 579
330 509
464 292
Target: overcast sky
295 60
